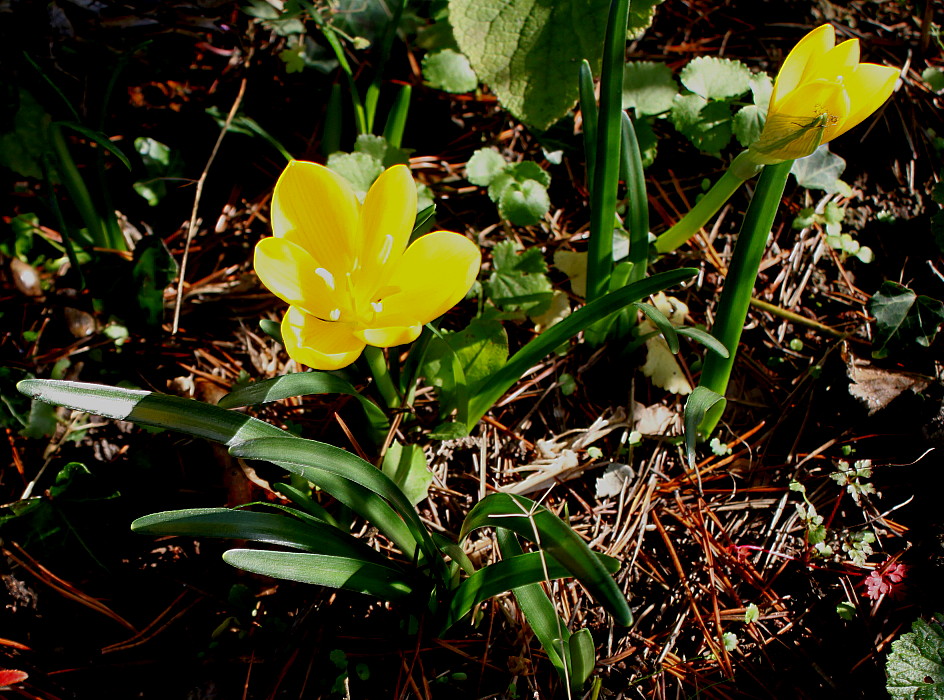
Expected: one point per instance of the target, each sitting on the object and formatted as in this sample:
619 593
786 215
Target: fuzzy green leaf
748 123
528 52
525 203
519 281
450 71
484 166
916 664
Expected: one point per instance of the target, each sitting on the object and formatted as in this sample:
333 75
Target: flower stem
739 284
741 169
381 373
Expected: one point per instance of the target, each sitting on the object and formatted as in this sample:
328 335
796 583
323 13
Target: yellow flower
822 91
345 269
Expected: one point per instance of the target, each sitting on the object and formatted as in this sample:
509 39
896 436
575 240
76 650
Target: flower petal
836 62
319 344
289 272
811 100
796 64
434 273
868 86
385 225
388 336
317 209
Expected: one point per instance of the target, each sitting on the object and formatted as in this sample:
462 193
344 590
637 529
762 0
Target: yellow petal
868 86
317 209
809 101
434 273
791 74
319 344
289 272
385 225
388 336
834 63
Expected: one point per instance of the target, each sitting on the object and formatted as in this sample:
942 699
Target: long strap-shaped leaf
350 574
214 423
272 528
504 575
532 521
301 384
486 394
312 460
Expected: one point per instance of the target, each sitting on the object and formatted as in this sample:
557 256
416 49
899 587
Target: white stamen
326 276
334 315
377 306
386 250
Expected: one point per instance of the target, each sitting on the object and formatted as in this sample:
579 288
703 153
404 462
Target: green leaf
484 166
915 665
303 384
706 124
583 658
705 338
641 14
154 269
748 123
761 88
41 422
481 348
528 170
903 317
378 148
450 71
148 408
23 148
335 471
100 139
648 87
698 404
518 281
934 77
820 171
534 522
406 467
360 169
524 204
528 52
663 324
485 395
258 527
716 78
346 573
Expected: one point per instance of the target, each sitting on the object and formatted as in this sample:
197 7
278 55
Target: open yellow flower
821 91
345 269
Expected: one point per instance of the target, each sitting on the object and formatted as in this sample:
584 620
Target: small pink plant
885 580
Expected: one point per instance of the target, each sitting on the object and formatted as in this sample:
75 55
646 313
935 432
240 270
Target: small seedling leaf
484 166
450 71
716 78
524 203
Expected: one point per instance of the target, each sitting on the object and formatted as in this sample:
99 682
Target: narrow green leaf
534 522
148 408
305 502
488 392
663 324
699 402
316 460
637 220
302 384
705 338
588 111
258 527
99 138
396 118
346 573
538 610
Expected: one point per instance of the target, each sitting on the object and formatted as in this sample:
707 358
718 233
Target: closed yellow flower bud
821 91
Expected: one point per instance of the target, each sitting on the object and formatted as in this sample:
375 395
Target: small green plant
830 221
903 317
519 190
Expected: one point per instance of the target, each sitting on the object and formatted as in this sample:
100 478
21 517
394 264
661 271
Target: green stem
739 283
381 373
606 167
742 169
360 114
373 90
